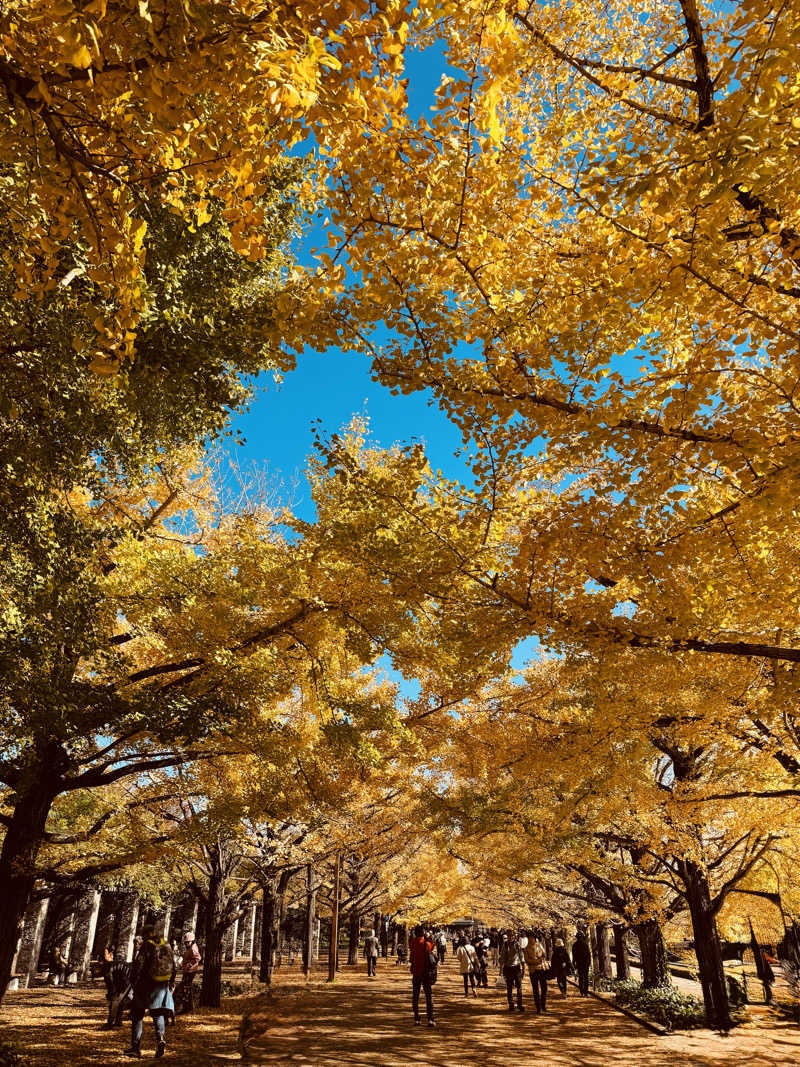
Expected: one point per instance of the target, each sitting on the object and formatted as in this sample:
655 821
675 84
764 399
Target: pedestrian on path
468 964
538 965
511 962
581 959
152 979
423 973
60 968
371 952
441 946
190 965
561 965
481 946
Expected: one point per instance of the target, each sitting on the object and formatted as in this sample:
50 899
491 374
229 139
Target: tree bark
21 845
353 931
211 984
655 971
621 952
267 963
707 947
604 950
311 913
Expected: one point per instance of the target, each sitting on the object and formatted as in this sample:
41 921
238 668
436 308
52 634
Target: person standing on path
561 965
423 975
371 947
511 961
581 959
537 963
60 970
481 946
152 978
190 965
468 964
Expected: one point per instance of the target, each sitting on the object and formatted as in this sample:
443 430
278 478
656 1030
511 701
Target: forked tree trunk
621 952
211 984
707 947
655 969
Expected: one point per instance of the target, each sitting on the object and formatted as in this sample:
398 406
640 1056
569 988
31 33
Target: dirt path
62 1028
361 1021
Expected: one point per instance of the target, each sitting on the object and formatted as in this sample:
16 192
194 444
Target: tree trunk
384 936
595 954
211 985
267 933
707 947
333 947
655 971
311 914
354 929
604 950
621 952
21 845
280 929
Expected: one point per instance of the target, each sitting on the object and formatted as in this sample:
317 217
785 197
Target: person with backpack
481 946
511 962
190 965
468 964
152 979
371 947
422 951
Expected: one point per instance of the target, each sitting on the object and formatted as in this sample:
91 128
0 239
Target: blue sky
333 386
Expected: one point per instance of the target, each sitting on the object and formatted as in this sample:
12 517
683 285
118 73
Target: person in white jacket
468 964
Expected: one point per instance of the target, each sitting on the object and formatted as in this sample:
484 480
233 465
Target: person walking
561 965
152 979
441 946
468 964
423 974
481 946
511 962
494 947
581 959
537 963
190 965
371 947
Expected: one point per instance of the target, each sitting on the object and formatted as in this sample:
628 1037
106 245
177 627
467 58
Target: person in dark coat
581 959
152 981
560 965
481 947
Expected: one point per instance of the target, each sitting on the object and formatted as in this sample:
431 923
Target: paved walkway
361 1021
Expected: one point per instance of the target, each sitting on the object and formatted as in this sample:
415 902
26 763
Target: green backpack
161 963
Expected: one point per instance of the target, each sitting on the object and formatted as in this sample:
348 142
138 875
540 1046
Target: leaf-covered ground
360 1021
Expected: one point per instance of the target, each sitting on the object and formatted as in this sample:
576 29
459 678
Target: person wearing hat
560 965
190 965
152 979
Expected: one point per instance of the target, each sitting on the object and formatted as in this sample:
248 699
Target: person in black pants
420 948
582 958
511 962
482 952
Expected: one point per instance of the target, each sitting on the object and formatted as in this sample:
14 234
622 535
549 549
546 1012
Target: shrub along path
360 1021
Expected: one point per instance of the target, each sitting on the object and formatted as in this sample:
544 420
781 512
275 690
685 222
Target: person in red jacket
419 947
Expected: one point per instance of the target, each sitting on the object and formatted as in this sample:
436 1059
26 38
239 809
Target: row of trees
588 253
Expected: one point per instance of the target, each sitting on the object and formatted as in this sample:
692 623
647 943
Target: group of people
148 984
516 954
